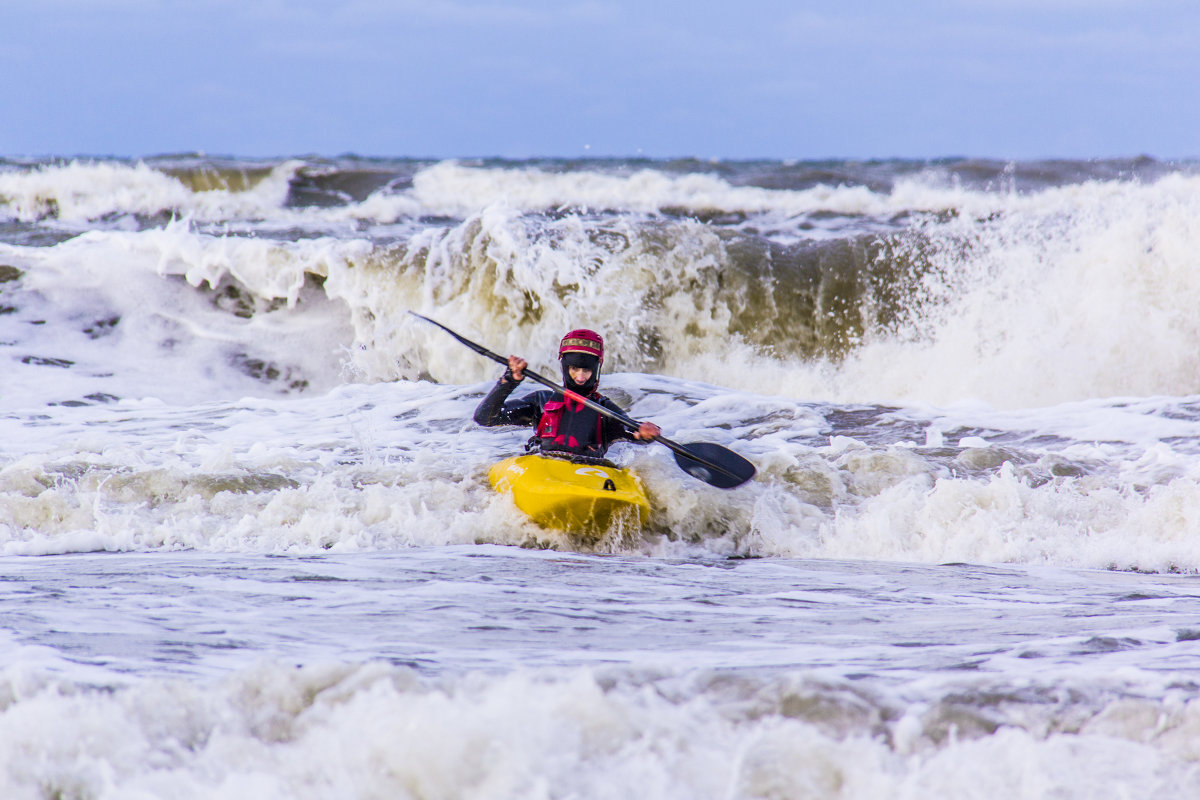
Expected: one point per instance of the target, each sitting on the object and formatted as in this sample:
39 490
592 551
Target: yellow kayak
565 495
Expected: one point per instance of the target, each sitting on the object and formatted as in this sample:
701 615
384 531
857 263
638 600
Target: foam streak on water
906 665
249 548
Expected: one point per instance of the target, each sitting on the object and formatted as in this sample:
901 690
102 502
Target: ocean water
247 546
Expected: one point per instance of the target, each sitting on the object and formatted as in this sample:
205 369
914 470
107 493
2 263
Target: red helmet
582 341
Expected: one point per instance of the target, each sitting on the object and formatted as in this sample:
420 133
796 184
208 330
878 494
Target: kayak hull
564 495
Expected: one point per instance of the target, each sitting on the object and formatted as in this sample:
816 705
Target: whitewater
249 548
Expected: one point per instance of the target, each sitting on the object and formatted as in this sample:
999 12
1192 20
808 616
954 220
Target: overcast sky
730 79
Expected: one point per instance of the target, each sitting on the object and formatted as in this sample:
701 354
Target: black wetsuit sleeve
493 410
613 430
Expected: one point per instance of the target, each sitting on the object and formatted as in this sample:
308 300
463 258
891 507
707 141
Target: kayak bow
565 495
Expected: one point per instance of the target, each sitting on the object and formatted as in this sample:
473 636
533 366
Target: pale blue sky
729 79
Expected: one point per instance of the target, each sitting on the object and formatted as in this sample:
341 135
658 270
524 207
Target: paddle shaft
632 424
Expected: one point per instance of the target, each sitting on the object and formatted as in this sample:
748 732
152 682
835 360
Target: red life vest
571 426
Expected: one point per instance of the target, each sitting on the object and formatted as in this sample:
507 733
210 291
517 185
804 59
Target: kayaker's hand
647 431
516 366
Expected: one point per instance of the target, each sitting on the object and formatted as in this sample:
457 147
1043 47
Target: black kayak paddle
715 465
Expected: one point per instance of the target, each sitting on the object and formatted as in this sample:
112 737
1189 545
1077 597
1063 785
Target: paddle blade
737 470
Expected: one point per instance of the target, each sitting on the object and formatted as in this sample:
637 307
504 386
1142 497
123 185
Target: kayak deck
564 495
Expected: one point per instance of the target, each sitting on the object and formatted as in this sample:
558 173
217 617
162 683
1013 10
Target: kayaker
563 425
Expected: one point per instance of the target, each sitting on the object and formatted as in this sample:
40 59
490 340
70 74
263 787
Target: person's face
579 375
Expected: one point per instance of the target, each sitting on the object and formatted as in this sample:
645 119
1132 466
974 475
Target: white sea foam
83 191
1027 300
1073 293
113 305
244 380
398 465
1067 294
456 189
1083 292
342 731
